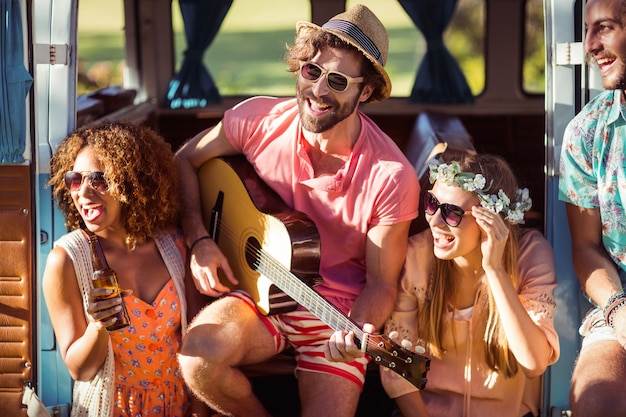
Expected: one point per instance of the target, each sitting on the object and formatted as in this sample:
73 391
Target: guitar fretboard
300 292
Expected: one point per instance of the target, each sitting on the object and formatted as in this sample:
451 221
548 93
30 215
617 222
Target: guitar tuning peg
393 334
420 349
406 344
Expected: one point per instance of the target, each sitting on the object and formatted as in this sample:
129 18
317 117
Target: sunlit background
246 56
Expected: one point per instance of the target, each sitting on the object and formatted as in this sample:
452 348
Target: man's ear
366 93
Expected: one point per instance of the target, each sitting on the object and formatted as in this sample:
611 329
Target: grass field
96 16
246 56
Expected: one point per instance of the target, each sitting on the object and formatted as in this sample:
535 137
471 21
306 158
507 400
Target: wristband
198 240
616 302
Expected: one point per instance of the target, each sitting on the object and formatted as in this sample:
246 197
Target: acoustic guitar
274 253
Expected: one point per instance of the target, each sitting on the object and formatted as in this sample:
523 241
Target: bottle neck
97 254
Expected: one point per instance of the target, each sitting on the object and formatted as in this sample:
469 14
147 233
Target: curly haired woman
118 181
476 295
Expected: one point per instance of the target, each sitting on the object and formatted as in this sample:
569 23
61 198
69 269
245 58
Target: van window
533 76
464 37
100 44
246 56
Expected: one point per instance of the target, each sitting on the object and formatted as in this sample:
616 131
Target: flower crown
451 174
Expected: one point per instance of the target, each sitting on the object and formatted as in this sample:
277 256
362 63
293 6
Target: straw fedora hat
359 27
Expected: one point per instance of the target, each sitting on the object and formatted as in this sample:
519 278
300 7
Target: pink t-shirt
376 186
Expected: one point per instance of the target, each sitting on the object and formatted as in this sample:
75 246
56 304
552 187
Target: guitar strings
263 258
269 264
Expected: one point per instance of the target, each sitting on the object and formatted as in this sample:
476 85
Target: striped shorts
307 334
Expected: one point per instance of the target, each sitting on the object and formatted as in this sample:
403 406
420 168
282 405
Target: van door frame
570 83
53 115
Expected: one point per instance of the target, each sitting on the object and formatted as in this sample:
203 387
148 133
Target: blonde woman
476 295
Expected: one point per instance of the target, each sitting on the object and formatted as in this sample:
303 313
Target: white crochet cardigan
95 397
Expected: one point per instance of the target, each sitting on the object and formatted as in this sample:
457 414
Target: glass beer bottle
105 277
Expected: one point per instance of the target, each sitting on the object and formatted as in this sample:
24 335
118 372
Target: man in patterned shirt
593 178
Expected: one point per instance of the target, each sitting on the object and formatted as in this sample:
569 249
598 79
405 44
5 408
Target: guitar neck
305 295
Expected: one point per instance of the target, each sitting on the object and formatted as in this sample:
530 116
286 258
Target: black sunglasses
336 81
74 179
451 214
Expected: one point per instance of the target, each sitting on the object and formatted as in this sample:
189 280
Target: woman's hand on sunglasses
494 235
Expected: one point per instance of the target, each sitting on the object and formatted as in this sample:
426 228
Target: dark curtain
193 85
15 81
439 78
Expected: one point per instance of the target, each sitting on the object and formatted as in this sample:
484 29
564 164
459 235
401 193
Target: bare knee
598 399
195 371
197 362
327 394
200 355
597 388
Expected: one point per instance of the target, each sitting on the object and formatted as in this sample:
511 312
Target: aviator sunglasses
336 81
451 214
74 179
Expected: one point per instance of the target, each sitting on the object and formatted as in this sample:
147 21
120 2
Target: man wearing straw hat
329 161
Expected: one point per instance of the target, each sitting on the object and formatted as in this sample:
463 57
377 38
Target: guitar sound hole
253 253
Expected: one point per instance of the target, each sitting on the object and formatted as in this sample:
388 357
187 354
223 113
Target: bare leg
598 381
224 335
327 395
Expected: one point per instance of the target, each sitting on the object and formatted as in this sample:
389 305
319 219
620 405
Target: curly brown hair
305 48
139 167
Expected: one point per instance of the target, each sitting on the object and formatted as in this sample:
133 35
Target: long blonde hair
433 317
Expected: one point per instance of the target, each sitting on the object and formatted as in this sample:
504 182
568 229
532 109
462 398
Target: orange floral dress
147 376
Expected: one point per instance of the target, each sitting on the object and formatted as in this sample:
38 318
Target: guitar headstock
412 366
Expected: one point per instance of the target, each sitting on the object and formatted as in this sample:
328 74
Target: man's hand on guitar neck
342 347
206 259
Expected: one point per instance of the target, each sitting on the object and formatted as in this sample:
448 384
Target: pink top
449 387
376 186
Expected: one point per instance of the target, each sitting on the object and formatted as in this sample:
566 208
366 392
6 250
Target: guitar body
252 215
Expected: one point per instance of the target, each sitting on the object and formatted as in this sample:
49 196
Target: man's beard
616 80
329 120
615 83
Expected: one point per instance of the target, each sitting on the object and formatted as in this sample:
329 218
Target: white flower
451 174
515 216
505 198
479 182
